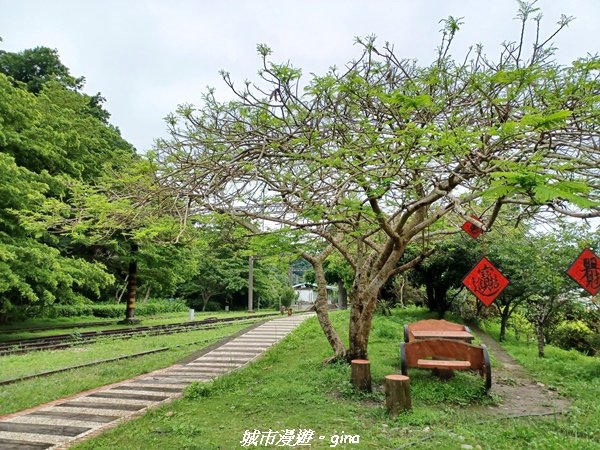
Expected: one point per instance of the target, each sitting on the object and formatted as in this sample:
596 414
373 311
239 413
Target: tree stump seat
445 355
397 394
360 375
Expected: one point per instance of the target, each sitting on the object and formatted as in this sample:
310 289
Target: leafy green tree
220 268
51 138
515 254
44 143
162 268
34 68
445 270
552 290
369 159
107 215
34 273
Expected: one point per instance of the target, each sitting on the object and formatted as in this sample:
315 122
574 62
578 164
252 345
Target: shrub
594 342
574 334
198 390
466 308
56 311
112 310
288 296
108 311
157 306
212 305
521 326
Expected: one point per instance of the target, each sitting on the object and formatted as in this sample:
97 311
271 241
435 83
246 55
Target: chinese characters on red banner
586 271
485 281
471 229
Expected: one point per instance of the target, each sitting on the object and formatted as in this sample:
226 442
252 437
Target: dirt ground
521 394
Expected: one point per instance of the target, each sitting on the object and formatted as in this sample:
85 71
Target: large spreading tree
380 157
51 135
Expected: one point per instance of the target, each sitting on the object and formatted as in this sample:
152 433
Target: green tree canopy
49 141
34 68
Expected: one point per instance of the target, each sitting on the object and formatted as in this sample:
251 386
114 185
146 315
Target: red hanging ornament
586 271
485 281
471 229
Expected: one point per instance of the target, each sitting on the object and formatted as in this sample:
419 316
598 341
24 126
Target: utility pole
250 282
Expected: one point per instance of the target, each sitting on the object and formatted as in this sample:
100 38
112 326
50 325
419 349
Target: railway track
58 341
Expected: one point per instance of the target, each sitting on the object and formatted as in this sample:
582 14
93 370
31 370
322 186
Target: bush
108 311
198 390
212 305
521 326
594 343
55 311
112 310
157 306
574 334
288 296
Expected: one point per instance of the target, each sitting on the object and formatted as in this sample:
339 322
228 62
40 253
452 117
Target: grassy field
7 332
28 393
290 388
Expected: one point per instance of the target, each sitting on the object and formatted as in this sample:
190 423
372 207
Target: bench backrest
443 348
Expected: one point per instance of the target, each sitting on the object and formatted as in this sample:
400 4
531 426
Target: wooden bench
444 356
436 329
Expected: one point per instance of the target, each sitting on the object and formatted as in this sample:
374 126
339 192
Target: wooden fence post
397 394
361 374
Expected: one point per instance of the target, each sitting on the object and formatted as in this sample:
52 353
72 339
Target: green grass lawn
290 388
28 393
7 333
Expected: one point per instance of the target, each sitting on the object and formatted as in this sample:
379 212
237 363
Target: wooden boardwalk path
57 424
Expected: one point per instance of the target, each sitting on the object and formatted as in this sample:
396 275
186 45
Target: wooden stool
361 374
397 394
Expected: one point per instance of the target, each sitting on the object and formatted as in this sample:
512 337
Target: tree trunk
323 312
441 310
437 299
504 315
430 293
147 296
539 331
131 284
402 291
205 300
120 296
361 316
342 295
441 300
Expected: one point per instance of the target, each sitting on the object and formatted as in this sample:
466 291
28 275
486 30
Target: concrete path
57 424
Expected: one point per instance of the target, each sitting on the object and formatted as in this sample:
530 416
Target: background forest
68 235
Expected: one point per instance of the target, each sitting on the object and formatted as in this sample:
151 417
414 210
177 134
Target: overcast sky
146 57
